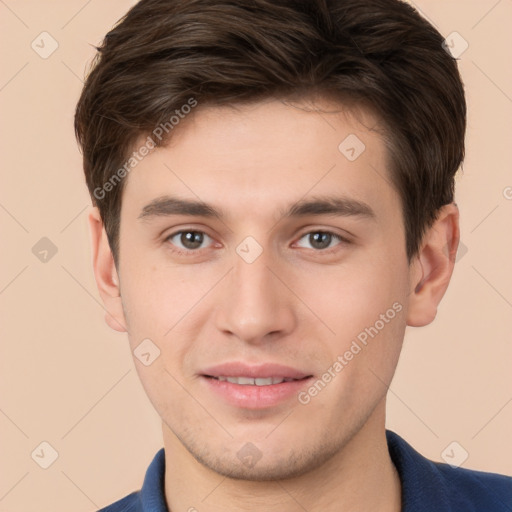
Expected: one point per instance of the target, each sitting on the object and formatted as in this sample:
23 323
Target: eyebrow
165 206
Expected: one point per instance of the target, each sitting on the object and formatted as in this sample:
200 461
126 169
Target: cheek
350 297
149 288
365 307
161 300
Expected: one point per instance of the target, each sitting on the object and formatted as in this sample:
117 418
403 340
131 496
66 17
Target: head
273 183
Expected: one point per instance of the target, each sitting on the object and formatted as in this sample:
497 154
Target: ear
105 272
432 268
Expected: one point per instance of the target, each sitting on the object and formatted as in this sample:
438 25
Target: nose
255 305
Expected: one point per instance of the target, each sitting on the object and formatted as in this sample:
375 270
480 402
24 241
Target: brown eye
188 240
320 240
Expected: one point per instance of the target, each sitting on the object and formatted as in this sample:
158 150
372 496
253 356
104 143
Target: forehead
258 157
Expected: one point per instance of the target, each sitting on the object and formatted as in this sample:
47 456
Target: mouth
247 386
254 381
248 374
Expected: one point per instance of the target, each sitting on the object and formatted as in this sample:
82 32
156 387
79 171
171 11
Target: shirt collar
152 493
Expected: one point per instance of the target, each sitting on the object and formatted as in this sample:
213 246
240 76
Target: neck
360 476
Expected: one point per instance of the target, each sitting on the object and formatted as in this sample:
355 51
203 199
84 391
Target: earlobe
433 267
105 272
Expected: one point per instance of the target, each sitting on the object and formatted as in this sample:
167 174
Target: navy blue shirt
426 486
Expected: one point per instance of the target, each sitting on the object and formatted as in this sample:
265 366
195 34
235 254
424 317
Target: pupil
192 239
320 240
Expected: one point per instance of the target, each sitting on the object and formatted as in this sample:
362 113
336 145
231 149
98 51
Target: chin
251 463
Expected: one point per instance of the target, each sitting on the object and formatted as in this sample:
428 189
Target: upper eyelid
341 239
187 230
322 230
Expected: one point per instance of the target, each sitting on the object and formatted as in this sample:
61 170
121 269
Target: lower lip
255 397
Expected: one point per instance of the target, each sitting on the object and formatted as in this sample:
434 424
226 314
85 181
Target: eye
321 240
188 240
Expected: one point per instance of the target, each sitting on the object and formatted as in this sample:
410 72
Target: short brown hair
378 53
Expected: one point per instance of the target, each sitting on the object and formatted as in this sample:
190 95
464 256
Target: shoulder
482 491
429 485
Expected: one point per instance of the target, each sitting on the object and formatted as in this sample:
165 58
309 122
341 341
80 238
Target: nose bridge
255 303
251 282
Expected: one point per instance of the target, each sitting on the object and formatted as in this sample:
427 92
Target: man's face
260 285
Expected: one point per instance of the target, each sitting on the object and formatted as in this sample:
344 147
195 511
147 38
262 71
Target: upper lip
239 369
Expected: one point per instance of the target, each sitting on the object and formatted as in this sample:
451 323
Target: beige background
70 381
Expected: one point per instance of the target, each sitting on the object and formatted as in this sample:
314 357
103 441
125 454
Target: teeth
250 381
241 380
264 382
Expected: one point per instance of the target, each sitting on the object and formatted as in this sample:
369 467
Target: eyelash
193 252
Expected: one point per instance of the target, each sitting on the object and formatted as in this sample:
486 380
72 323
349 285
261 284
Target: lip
239 369
253 396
